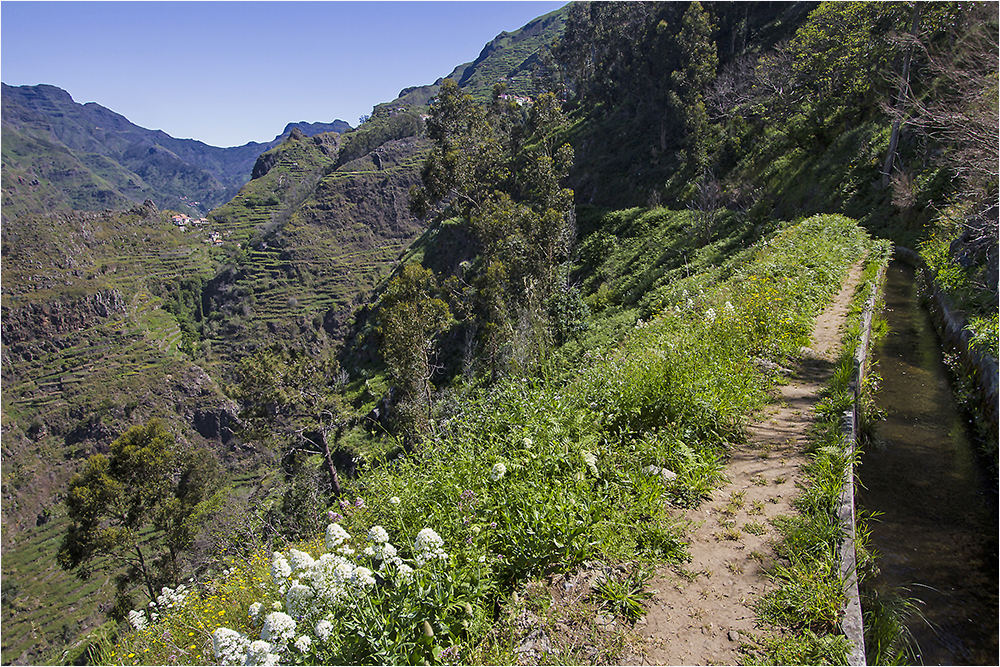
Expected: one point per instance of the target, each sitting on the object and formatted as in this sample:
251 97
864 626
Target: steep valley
113 318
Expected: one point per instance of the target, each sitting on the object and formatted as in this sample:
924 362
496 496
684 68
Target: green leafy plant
624 594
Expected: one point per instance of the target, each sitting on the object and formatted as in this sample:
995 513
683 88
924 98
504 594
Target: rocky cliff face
42 321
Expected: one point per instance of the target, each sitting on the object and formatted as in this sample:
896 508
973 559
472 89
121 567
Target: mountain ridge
174 173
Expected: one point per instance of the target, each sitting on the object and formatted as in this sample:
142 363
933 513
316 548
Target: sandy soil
701 612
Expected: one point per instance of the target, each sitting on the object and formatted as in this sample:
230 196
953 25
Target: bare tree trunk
904 85
145 573
331 469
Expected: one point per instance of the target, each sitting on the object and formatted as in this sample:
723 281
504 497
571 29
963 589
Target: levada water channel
937 533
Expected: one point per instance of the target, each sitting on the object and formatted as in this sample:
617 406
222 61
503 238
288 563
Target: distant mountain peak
312 129
94 158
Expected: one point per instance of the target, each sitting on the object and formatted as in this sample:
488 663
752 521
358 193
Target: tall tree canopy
411 314
286 396
499 169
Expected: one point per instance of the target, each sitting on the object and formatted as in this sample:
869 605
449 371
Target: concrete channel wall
853 623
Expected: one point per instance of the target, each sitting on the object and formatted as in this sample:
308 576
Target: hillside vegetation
478 339
531 476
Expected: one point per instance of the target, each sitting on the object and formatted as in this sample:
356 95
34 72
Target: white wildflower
137 619
729 308
323 630
394 500
230 646
279 628
254 611
169 598
330 576
362 577
428 546
302 643
259 653
405 572
385 553
428 539
378 535
710 315
280 569
300 560
298 599
498 471
343 571
335 536
528 442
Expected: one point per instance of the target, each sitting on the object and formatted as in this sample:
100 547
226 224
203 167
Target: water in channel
937 533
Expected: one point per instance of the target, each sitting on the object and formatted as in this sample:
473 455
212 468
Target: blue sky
231 72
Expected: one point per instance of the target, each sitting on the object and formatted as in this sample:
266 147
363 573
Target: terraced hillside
318 237
88 351
86 340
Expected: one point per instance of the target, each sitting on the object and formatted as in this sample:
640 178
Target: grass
625 595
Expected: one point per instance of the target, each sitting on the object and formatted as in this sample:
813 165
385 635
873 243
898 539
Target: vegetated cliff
58 154
113 318
516 58
87 347
88 351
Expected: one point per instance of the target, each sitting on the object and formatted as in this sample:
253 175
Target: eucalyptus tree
137 508
411 315
288 398
498 168
698 62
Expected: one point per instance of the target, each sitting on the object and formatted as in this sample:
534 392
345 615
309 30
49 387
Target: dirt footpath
701 611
